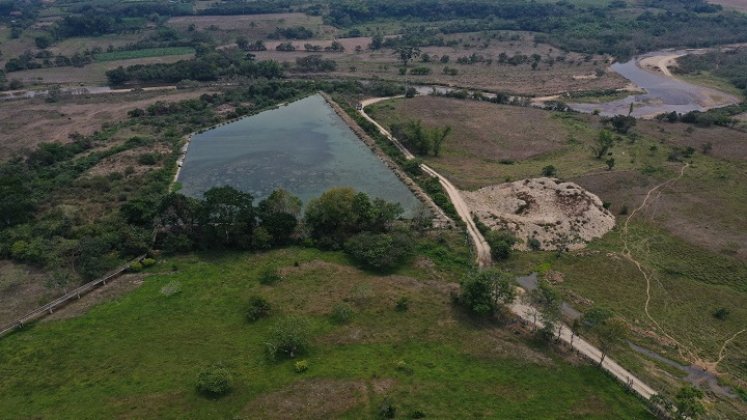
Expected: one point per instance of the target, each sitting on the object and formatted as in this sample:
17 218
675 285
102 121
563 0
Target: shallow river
663 93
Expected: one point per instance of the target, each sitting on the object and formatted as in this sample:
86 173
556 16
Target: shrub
402 366
387 410
214 381
403 304
301 366
500 244
410 92
341 313
148 262
721 313
258 308
289 338
147 159
535 244
420 71
270 276
412 167
172 288
549 170
136 266
381 252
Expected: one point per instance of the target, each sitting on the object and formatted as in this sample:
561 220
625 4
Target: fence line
64 299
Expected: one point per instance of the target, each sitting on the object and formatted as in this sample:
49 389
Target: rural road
526 313
482 249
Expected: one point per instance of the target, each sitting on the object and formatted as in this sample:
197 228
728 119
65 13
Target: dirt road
482 249
526 312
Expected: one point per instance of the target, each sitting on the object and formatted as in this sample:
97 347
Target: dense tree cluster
612 29
209 67
730 65
294 32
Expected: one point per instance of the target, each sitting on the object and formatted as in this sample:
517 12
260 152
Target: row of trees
339 219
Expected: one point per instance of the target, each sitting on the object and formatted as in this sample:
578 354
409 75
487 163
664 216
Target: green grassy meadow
139 355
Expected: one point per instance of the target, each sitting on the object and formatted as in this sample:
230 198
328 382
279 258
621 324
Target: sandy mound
557 214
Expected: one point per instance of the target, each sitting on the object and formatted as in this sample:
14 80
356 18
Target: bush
214 381
535 244
387 410
500 243
270 276
341 313
410 92
148 262
258 308
289 338
136 266
382 252
549 170
403 304
301 366
721 313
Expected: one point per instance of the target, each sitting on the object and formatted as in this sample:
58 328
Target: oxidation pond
304 147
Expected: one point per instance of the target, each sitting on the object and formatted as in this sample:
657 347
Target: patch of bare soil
26 123
112 290
21 290
309 399
560 215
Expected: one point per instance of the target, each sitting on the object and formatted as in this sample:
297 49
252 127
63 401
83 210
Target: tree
486 292
438 137
610 333
376 42
242 42
610 163
622 123
604 143
547 301
687 402
278 214
407 54
227 216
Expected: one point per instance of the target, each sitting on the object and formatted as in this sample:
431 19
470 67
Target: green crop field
145 53
139 355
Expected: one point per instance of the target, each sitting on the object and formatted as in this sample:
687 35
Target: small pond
303 147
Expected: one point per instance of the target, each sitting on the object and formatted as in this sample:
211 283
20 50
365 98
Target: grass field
145 53
139 355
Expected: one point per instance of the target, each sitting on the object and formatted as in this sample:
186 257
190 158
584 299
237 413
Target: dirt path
526 313
629 256
484 259
482 249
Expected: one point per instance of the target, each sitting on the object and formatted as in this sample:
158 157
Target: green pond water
303 147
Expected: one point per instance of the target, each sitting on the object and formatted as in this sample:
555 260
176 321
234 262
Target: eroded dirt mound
560 215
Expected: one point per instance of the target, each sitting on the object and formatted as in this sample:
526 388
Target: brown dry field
229 27
740 5
705 207
727 144
575 74
22 288
483 134
28 122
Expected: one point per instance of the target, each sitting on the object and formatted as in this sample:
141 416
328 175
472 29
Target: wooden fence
64 299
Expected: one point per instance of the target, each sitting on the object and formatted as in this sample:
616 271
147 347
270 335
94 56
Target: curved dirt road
482 249
525 312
